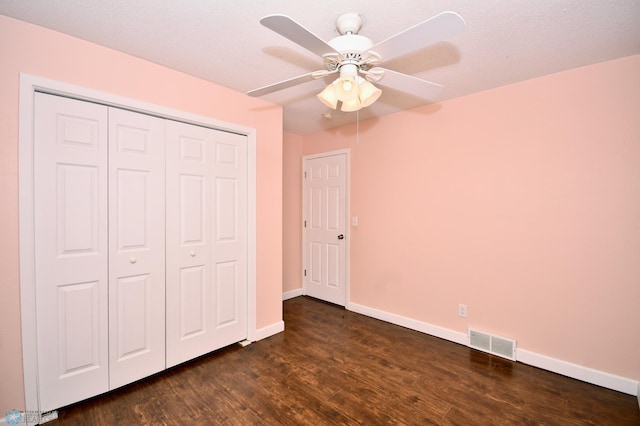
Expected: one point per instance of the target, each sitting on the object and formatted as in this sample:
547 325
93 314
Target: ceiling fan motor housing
349 43
351 48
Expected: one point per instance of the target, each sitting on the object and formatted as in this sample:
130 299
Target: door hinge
305 223
305 272
305 174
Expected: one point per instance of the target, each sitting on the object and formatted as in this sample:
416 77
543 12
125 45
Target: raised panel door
325 215
206 240
229 254
70 192
136 246
189 310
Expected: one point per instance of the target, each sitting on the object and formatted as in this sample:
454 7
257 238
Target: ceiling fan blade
282 84
435 29
287 27
412 85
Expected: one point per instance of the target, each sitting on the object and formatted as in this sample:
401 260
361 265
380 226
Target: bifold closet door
206 240
140 245
71 252
136 246
100 251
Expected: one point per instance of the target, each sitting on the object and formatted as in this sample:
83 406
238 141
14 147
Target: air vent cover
496 345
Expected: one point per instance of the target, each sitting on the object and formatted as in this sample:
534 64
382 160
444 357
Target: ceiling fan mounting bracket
349 23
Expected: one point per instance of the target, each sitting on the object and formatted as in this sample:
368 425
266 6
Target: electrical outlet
462 310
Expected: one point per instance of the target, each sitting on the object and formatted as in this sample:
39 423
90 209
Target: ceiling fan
356 58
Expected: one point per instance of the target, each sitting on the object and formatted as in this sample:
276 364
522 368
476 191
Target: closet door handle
133 260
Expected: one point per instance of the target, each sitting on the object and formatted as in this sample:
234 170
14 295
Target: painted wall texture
522 202
37 51
291 212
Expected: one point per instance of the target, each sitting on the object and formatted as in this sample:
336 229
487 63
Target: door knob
133 260
341 237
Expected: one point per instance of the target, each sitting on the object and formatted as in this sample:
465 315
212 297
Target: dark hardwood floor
332 366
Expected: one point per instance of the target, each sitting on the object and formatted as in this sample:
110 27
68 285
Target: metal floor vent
496 345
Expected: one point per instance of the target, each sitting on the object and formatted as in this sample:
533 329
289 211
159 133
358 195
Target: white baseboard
579 372
423 327
600 378
269 331
291 294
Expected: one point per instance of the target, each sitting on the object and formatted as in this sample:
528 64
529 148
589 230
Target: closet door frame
29 85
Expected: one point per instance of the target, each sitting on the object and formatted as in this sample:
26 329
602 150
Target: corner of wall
268 331
291 294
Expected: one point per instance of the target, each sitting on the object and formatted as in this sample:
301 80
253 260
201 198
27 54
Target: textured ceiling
222 41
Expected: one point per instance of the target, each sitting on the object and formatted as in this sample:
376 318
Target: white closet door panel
191 207
136 246
206 240
229 255
193 296
70 184
188 227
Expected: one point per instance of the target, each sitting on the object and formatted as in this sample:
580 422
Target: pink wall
522 202
291 212
33 50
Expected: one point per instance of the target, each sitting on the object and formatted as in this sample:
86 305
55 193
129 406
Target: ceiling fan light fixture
346 86
362 94
352 90
367 95
346 89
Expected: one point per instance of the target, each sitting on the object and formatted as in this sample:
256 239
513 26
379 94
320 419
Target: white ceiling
222 41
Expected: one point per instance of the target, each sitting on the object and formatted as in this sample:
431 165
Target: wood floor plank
335 367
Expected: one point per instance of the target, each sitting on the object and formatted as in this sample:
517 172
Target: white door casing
206 227
136 246
70 193
325 199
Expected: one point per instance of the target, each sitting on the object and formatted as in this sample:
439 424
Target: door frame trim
347 210
29 85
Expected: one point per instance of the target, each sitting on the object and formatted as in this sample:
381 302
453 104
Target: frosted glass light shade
368 93
352 105
328 96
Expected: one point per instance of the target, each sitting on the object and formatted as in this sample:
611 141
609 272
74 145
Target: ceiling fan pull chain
358 127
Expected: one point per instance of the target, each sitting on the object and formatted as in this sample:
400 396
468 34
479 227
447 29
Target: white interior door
206 240
325 186
70 192
136 246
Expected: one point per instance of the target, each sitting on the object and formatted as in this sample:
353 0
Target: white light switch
354 221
